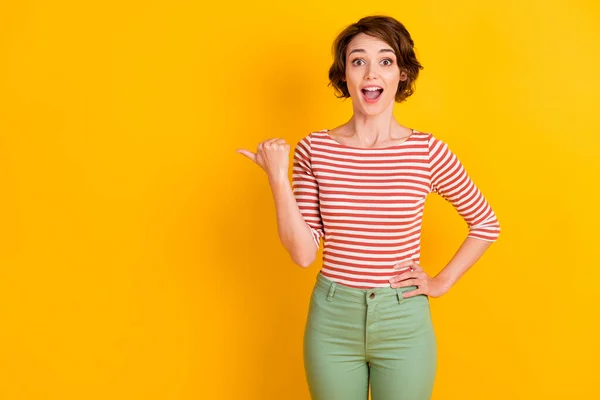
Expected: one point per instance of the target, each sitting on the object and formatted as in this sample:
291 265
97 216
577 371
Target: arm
297 223
298 217
468 253
451 181
294 232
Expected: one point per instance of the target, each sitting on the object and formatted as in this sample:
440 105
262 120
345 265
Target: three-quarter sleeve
306 189
450 180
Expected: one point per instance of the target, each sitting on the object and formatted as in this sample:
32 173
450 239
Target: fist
272 155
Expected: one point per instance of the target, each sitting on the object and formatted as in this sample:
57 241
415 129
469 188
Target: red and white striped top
368 204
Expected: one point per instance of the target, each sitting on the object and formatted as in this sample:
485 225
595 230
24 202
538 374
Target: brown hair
390 31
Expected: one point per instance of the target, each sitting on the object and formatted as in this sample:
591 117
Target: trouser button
372 296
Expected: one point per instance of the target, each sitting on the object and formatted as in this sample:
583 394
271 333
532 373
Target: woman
362 188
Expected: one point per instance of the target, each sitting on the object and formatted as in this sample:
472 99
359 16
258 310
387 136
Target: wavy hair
388 30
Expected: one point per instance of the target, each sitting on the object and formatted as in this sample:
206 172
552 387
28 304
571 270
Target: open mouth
371 96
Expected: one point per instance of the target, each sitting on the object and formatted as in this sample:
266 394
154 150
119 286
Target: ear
403 76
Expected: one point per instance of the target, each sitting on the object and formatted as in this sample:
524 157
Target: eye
388 60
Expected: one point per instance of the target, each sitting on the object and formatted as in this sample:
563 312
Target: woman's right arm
294 233
298 224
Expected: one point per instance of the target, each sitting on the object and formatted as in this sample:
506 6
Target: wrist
278 179
444 281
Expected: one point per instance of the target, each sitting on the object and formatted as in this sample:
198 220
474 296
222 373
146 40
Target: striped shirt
367 204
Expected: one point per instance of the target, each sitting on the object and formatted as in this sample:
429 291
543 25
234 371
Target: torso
367 203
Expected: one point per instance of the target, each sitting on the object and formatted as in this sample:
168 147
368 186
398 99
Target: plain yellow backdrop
139 256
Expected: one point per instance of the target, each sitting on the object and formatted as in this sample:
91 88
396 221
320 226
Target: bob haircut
388 30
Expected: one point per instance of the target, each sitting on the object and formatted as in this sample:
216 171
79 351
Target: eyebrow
363 51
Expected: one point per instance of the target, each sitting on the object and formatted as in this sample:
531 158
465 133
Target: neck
368 130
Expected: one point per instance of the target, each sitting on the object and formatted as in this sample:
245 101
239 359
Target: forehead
368 44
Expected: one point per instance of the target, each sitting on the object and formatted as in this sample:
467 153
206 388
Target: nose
371 71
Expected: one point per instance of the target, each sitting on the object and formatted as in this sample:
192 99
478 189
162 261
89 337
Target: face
371 63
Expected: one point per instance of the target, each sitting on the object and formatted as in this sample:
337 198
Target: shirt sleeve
306 189
450 180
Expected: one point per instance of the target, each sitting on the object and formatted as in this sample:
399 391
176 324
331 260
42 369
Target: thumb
247 153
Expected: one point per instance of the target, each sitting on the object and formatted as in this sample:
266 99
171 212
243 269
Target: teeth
372 89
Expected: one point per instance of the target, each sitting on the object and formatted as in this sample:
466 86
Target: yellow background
139 255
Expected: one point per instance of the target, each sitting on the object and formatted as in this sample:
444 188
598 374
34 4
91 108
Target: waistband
364 296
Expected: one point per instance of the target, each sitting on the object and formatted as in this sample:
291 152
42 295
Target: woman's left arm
450 180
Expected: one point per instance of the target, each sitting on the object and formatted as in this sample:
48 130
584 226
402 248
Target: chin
374 109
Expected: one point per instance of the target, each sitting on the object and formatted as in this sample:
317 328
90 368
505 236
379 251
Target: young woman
362 187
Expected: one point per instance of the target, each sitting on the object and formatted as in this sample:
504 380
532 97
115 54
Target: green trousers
356 337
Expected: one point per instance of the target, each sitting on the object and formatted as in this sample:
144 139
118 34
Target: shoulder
426 137
423 140
304 145
420 136
306 141
437 149
434 143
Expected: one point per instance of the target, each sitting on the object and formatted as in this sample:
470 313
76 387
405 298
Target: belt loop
331 291
399 295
